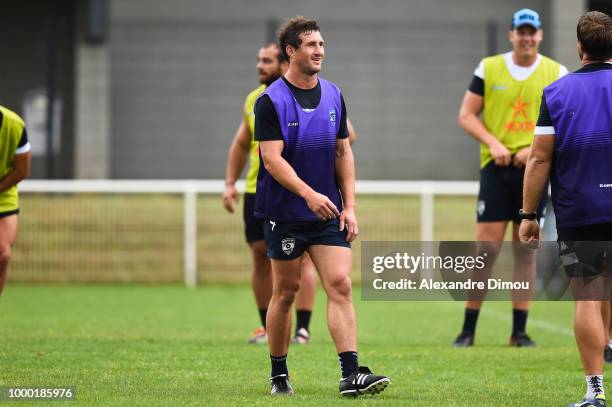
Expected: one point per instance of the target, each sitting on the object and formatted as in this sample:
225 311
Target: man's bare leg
589 330
485 232
8 234
609 320
286 279
304 300
261 283
334 264
590 336
261 278
605 317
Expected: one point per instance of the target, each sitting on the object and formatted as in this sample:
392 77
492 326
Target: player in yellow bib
14 167
507 90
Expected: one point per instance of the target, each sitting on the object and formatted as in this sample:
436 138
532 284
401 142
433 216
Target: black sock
263 312
279 365
348 363
470 319
519 321
303 319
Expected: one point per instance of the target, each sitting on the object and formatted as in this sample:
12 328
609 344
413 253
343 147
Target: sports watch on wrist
527 215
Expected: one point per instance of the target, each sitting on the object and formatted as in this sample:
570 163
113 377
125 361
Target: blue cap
526 17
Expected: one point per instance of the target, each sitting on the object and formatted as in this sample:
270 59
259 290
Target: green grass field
168 345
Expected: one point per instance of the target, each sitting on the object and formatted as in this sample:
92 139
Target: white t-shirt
520 73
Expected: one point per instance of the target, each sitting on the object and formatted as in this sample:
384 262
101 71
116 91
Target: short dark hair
594 32
289 34
280 56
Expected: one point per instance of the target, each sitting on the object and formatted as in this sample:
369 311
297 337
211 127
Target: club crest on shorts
481 207
288 245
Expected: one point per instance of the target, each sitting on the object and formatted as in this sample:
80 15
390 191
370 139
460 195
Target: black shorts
501 194
586 251
253 227
9 213
289 240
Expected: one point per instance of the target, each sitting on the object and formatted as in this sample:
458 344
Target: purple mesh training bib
310 148
580 107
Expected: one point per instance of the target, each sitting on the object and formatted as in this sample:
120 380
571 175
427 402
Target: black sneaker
363 382
281 386
608 354
522 340
464 340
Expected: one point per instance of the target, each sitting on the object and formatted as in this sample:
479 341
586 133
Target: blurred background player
506 88
306 194
573 147
15 167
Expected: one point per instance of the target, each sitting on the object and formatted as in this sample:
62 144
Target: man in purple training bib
573 144
306 196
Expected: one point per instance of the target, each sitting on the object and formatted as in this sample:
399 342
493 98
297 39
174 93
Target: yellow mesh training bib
511 107
10 134
249 116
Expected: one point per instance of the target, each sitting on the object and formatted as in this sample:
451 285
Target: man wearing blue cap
573 145
506 89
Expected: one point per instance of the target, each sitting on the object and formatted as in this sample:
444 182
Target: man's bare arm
345 172
19 172
236 160
469 120
351 131
537 171
238 153
536 179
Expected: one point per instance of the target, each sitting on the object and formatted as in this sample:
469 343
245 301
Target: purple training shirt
310 148
580 109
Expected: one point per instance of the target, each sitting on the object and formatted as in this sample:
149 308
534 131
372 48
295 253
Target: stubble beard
270 78
309 71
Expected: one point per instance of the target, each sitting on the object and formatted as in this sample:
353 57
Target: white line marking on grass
546 326
504 316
